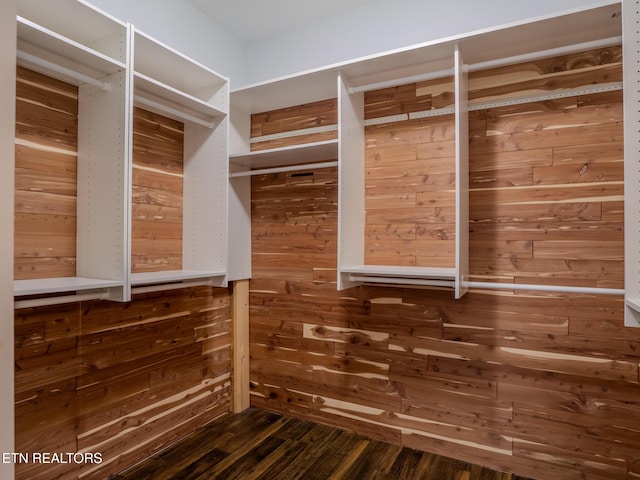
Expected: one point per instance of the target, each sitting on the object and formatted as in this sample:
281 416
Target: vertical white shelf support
239 261
462 174
103 248
351 192
631 56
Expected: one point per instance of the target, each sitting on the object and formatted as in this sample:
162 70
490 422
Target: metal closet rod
401 280
171 111
54 67
170 286
526 57
486 285
544 288
291 168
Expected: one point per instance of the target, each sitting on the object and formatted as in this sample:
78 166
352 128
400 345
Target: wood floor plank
261 445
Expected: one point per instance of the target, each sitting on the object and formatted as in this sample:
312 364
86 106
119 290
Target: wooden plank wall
410 178
538 384
45 177
157 188
120 379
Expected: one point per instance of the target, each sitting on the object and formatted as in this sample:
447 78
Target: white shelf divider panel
351 192
74 42
171 84
462 175
631 59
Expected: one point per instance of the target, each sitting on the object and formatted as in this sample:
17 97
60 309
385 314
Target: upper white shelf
286 156
50 53
79 22
166 66
184 102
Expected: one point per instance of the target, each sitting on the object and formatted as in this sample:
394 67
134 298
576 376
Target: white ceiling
255 19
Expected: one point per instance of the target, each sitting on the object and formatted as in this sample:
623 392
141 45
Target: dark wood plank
257 444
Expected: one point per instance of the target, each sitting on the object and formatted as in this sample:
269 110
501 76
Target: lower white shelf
169 276
41 286
426 276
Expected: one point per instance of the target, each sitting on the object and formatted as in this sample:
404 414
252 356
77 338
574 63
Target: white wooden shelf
42 286
160 65
52 48
149 278
303 155
157 91
80 24
402 275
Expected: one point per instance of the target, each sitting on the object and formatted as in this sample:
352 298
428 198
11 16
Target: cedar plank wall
121 379
157 180
45 180
539 384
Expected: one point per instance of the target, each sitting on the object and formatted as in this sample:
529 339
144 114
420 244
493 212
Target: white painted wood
292 168
80 22
41 286
102 246
37 63
436 273
633 303
159 62
631 59
239 260
7 166
167 101
462 174
351 213
286 156
205 216
239 225
149 278
59 300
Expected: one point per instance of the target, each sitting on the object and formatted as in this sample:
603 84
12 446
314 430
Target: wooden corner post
240 347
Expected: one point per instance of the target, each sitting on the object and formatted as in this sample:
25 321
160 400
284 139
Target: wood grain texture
529 383
123 380
158 166
310 115
45 177
261 445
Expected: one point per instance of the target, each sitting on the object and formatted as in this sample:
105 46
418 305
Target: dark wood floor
256 444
